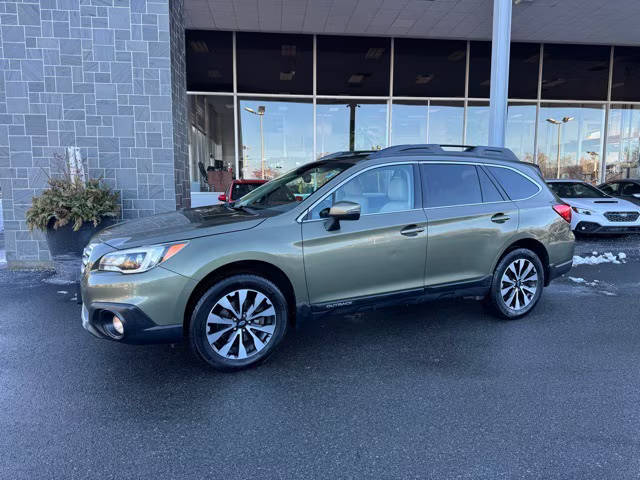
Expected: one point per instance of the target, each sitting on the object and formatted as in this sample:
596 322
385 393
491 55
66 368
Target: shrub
72 200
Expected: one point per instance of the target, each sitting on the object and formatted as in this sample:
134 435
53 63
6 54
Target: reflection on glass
210 134
479 69
570 140
350 125
446 122
353 65
274 63
578 72
521 126
285 140
409 122
477 123
623 142
626 74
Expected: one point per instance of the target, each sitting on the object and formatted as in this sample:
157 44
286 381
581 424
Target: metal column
500 47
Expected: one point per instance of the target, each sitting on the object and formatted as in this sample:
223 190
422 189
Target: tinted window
523 70
579 72
353 65
429 68
611 188
626 74
209 58
576 190
380 190
479 69
446 184
515 185
274 63
490 192
631 189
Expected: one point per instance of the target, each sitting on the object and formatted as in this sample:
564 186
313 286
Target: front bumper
138 327
596 228
150 305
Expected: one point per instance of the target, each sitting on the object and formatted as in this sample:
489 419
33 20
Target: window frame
417 191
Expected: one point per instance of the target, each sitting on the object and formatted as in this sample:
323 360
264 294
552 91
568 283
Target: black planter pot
64 241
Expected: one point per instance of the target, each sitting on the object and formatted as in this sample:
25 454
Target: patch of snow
610 294
58 281
3 257
583 281
62 292
595 259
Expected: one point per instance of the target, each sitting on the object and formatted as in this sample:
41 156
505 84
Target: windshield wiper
240 208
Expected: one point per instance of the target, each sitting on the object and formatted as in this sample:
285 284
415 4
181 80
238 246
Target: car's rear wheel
517 284
238 322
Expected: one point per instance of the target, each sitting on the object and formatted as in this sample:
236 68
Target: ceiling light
374 53
286 76
214 74
553 83
424 79
288 51
356 78
199 46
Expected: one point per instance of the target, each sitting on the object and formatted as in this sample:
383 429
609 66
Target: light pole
260 114
559 123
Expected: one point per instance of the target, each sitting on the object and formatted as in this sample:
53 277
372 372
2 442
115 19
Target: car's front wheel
238 322
517 284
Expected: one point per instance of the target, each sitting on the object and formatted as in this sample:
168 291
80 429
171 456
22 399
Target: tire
522 270
235 338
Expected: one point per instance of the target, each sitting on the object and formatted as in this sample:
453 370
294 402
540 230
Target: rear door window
630 189
516 185
448 184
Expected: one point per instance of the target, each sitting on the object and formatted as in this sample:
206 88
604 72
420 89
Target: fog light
117 325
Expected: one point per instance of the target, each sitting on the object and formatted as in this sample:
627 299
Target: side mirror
222 198
340 211
636 195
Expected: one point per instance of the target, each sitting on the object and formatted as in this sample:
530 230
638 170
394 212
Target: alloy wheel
241 324
519 284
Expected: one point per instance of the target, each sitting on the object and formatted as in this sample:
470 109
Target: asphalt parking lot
441 390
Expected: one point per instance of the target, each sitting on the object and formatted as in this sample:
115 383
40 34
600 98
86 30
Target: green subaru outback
350 231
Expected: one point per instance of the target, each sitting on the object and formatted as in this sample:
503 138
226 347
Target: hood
602 204
174 226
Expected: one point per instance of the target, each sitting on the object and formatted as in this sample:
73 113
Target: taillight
564 211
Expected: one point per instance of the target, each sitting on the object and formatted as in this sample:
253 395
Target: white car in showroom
593 211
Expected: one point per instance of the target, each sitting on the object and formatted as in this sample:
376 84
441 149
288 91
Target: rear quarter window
516 185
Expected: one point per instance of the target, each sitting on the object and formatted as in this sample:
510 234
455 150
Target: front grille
622 216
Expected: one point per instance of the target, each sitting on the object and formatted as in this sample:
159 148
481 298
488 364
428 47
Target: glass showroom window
409 122
623 142
209 61
211 140
446 120
570 140
477 123
350 125
521 128
274 136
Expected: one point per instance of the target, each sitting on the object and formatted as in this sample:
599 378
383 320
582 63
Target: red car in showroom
239 188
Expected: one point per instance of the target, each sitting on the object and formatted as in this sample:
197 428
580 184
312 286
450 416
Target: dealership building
153 92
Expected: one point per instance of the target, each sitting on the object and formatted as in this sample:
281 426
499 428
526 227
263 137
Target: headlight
582 211
140 259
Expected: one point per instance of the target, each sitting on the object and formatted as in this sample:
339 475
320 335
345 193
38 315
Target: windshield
285 192
576 190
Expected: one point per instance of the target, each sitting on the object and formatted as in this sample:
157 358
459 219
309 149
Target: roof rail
347 153
499 153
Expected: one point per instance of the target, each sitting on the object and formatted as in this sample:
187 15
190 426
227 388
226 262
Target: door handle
411 230
500 218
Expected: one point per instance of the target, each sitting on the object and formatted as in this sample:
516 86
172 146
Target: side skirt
472 288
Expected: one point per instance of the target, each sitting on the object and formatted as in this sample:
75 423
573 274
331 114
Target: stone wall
96 74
